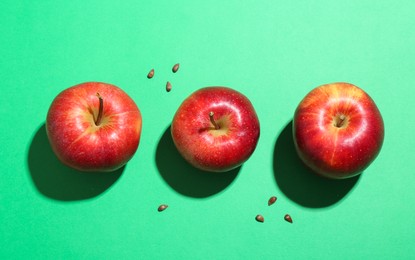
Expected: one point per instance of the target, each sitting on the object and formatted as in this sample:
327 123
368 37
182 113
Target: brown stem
340 121
213 120
101 108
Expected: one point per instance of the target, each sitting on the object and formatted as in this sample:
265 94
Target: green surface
272 51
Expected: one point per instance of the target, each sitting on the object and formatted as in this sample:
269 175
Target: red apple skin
210 149
81 144
333 148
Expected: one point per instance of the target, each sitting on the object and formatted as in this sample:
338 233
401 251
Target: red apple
94 126
215 129
338 130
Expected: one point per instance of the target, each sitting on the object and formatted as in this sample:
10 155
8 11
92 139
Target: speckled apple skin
75 138
210 149
338 152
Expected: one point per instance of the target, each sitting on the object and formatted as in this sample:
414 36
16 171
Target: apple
338 130
94 126
215 129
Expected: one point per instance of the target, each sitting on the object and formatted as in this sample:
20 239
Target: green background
272 51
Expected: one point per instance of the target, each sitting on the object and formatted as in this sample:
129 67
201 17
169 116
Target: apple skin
338 130
81 144
210 149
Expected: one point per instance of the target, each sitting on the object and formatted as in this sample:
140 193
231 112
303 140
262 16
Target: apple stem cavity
101 108
213 120
340 121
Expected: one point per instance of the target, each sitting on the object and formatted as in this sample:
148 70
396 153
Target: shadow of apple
57 181
301 184
183 177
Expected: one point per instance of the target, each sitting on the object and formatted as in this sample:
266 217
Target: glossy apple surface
216 129
338 130
85 143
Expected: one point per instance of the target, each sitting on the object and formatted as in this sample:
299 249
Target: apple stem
340 122
101 108
213 120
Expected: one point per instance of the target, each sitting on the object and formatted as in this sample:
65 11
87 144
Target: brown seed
168 86
288 218
259 218
175 67
272 200
150 74
162 207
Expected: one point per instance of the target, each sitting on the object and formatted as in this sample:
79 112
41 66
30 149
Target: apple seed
272 200
150 74
288 218
168 86
259 218
162 207
175 67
